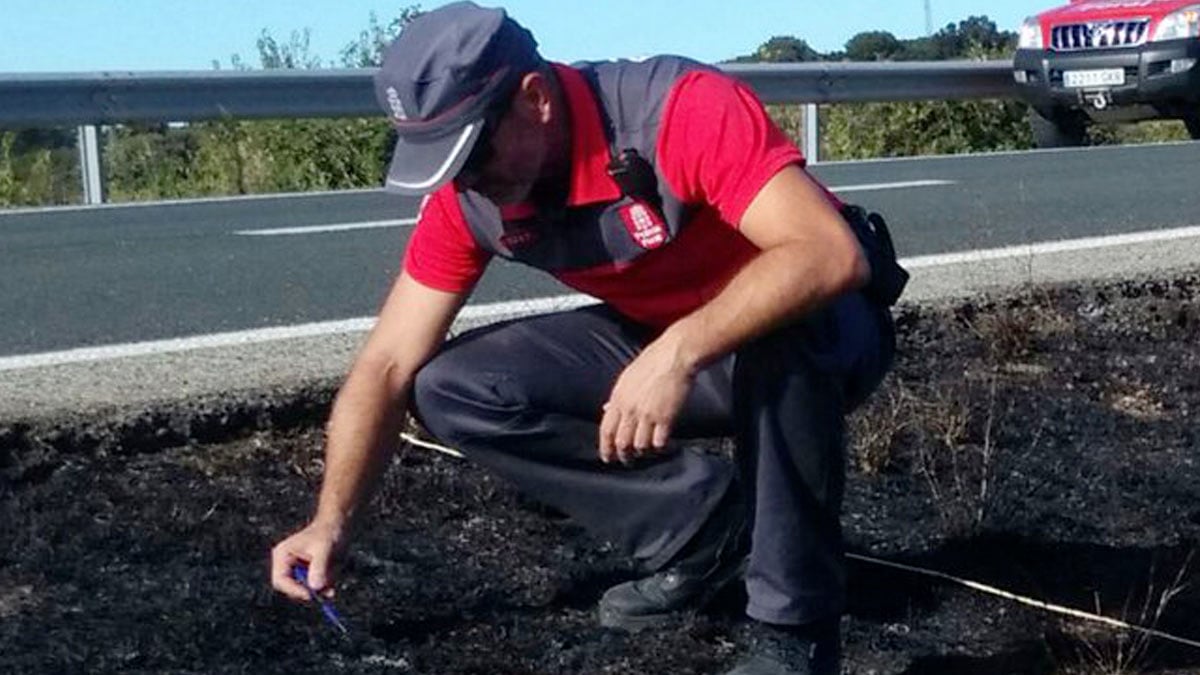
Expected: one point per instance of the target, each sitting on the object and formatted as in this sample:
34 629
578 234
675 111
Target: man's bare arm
809 255
365 424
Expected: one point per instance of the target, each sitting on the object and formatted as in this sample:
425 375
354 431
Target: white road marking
317 229
869 187
121 351
407 222
478 314
1045 247
474 314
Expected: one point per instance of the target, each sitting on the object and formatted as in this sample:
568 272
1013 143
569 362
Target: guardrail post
812 133
89 165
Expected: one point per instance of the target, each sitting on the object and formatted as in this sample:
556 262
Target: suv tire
1062 131
1192 122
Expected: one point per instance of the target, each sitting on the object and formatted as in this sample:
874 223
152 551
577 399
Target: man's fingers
608 425
623 439
643 437
318 571
282 562
626 435
662 434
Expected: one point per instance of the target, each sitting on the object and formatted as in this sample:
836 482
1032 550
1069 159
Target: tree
976 37
781 49
367 50
290 55
979 34
873 46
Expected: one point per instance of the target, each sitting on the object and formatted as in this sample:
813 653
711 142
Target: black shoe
713 559
793 650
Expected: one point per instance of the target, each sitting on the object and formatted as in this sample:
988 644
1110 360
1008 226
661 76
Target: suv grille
1099 35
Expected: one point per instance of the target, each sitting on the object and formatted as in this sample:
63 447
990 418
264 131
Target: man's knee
455 396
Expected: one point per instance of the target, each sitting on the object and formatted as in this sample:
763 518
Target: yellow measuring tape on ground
974 585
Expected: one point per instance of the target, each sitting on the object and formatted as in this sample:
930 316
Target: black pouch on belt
888 278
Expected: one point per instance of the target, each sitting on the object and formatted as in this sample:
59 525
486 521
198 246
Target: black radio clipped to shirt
635 176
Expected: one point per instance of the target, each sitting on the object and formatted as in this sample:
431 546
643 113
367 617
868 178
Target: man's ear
534 97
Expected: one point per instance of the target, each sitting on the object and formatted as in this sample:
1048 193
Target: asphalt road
81 277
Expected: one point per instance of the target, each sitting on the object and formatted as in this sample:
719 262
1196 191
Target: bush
8 175
36 175
867 130
245 157
148 163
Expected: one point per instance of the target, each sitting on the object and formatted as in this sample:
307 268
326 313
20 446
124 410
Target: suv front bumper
1149 76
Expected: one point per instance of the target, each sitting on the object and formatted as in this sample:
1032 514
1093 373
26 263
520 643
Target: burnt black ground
1045 442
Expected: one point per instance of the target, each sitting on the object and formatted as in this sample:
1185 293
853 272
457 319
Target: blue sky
92 35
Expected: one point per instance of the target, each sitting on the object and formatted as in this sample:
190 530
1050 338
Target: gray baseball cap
437 83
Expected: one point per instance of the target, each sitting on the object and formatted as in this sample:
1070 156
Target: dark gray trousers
524 398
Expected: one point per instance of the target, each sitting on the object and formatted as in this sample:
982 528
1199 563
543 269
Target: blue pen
300 574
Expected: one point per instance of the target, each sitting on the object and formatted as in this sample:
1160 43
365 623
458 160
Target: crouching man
739 298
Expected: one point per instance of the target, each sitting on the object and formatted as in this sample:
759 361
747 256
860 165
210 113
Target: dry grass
1138 401
1019 331
877 428
948 431
1097 651
948 427
957 458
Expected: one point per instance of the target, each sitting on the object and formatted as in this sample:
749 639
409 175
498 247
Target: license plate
1109 77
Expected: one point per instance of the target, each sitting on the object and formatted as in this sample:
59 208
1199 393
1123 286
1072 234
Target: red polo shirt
716 149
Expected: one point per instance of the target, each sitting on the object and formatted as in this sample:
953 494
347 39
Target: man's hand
644 403
317 546
364 428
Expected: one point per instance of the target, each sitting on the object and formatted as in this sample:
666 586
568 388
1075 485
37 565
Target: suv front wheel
1064 130
1192 122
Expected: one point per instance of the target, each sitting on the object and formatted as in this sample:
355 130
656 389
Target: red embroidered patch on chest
645 225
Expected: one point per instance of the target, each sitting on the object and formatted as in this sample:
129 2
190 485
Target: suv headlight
1184 23
1031 34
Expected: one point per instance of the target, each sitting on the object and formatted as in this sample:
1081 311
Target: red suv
1111 61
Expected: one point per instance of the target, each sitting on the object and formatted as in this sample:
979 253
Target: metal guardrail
70 99
110 98
853 82
87 99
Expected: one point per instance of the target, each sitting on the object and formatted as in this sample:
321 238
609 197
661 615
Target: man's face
523 147
508 158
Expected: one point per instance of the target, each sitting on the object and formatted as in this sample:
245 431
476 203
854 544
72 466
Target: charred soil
1044 442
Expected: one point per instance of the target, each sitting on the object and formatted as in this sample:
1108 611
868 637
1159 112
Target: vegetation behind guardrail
230 157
